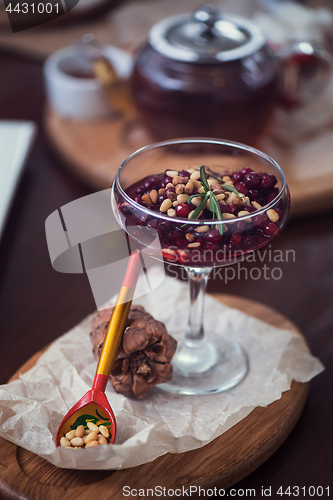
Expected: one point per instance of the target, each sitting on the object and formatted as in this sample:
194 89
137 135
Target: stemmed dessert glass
205 362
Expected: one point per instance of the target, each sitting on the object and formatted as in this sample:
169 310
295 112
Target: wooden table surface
37 304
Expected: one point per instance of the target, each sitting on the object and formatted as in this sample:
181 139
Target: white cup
77 97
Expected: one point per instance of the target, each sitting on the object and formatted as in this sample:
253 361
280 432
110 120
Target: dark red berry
168 191
249 240
246 170
213 236
252 180
184 173
237 176
241 188
270 229
249 209
253 194
182 210
236 239
273 178
138 199
260 220
232 209
240 226
225 208
266 182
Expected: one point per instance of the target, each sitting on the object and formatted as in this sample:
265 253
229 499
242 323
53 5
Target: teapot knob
206 18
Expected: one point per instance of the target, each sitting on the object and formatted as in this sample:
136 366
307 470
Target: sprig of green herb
214 206
226 186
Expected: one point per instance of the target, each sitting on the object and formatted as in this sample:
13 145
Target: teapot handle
306 72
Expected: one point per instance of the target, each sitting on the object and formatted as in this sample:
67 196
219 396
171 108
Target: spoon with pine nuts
91 420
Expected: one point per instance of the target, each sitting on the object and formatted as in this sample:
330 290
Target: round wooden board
221 463
95 150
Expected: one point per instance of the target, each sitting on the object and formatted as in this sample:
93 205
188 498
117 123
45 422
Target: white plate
15 140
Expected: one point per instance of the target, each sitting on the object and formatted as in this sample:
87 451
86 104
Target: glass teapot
210 74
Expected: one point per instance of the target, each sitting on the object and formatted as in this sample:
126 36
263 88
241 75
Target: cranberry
266 182
236 239
249 209
270 229
225 208
246 170
182 210
237 176
278 211
270 197
140 189
165 180
253 194
260 220
232 209
249 240
241 188
184 173
151 183
138 199
152 224
252 180
273 178
240 226
168 191
213 236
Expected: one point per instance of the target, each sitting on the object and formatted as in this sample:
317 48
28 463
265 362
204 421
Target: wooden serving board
221 463
95 150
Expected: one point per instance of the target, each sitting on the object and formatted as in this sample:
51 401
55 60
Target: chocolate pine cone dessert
144 355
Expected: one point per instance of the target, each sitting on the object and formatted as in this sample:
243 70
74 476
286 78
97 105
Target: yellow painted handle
119 316
115 331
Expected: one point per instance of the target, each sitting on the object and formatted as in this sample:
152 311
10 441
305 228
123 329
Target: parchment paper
32 407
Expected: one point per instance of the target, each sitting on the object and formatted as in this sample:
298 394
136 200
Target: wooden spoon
94 406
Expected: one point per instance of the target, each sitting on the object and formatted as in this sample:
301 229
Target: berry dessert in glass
210 203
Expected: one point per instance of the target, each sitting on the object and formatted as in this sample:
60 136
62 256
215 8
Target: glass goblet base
212 365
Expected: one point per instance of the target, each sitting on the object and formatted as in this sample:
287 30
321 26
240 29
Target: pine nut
201 189
180 189
196 201
92 443
90 437
179 180
189 237
192 212
79 431
171 212
146 199
77 441
202 229
256 205
272 215
104 431
101 439
166 204
196 244
189 187
93 427
169 185
195 175
169 254
196 184
220 197
244 213
161 191
70 435
153 195
182 198
228 216
65 442
171 173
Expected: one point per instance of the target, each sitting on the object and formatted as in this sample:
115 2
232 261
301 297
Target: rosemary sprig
225 186
214 206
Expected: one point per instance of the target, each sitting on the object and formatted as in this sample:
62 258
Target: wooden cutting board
221 463
95 150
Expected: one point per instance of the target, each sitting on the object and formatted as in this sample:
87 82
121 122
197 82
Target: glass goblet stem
195 354
197 278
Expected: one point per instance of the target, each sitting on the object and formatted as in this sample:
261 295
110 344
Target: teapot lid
206 36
